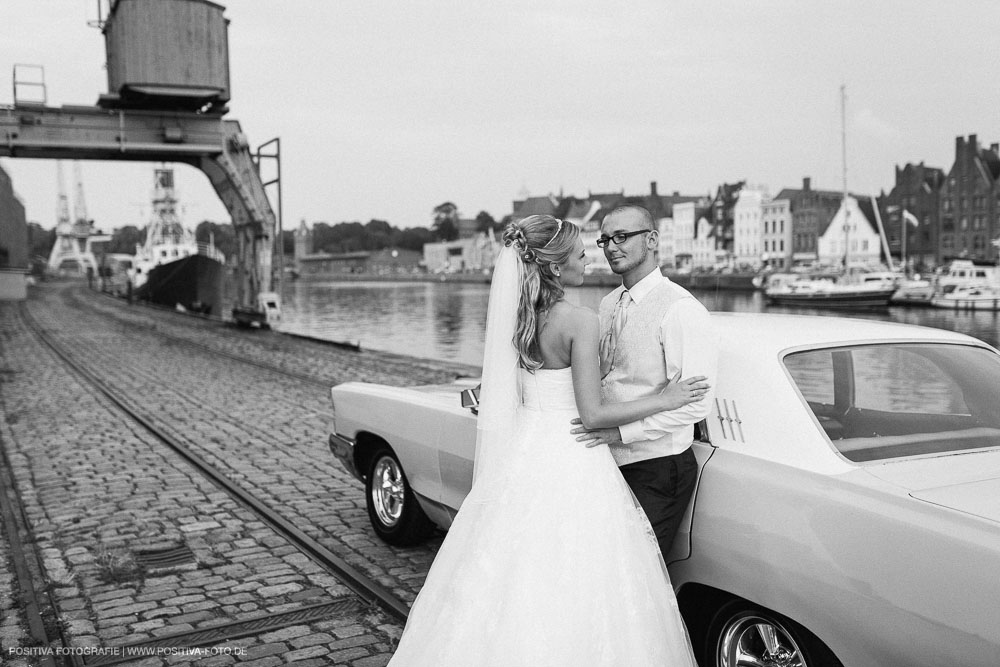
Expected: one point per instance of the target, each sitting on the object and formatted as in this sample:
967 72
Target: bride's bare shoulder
572 315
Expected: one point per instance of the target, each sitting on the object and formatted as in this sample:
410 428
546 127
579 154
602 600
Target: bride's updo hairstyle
540 241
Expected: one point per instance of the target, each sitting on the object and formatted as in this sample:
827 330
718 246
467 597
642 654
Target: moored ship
171 268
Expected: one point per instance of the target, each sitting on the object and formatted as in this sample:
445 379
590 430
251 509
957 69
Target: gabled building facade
911 215
970 203
851 236
722 219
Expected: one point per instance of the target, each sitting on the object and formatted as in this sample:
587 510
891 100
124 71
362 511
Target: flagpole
906 223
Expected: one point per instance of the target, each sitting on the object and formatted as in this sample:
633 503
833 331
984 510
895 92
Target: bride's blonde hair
541 241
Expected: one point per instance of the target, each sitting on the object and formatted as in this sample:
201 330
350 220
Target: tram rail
362 585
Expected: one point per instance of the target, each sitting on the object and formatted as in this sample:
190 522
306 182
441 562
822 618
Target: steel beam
216 146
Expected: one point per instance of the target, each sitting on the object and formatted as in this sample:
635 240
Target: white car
848 503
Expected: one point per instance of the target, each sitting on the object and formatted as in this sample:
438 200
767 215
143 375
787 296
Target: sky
387 109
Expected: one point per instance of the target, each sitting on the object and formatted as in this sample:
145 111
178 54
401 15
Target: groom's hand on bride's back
596 436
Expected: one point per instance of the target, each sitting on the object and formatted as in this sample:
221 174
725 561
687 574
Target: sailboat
854 287
171 268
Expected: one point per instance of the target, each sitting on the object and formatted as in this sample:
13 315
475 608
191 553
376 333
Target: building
811 213
723 220
970 203
776 235
589 212
748 227
851 236
693 242
915 197
461 255
522 208
13 242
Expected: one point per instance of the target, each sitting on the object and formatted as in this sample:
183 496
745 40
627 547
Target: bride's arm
585 363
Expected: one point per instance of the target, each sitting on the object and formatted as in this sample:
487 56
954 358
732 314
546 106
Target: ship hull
862 299
193 282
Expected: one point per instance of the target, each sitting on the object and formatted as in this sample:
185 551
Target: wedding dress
552 563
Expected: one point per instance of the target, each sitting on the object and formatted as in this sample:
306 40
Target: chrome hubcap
753 641
388 491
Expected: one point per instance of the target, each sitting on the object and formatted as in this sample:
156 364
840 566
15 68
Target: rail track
363 585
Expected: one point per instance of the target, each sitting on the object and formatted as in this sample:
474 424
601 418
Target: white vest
638 368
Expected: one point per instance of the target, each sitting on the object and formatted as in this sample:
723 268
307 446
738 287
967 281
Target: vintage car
848 503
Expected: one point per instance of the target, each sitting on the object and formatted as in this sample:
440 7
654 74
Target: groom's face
634 250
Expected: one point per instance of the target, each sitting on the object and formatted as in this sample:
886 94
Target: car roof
772 333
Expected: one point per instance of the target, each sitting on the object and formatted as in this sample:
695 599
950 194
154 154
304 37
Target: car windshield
885 401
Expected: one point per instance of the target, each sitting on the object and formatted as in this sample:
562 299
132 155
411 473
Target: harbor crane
168 85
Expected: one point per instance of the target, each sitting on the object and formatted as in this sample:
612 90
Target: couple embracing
583 464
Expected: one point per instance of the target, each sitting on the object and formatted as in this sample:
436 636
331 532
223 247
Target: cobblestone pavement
98 489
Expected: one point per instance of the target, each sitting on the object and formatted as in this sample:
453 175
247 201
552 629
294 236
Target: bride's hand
680 393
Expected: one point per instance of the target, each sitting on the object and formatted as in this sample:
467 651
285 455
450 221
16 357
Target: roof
773 333
535 206
991 162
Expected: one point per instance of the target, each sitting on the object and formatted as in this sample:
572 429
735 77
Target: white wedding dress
557 565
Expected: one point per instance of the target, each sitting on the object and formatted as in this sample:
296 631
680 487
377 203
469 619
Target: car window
886 401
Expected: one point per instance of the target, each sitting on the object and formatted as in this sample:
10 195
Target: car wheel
393 510
745 634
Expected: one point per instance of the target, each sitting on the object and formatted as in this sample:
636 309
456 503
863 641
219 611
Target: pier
171 497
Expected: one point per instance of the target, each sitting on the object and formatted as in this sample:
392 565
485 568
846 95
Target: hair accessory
558 229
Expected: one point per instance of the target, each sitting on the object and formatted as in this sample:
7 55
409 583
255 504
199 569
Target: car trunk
968 483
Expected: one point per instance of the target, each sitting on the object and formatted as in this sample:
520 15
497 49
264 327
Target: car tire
393 510
743 633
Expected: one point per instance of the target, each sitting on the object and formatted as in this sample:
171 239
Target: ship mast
843 157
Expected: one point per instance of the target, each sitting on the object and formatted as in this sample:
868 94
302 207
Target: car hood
968 483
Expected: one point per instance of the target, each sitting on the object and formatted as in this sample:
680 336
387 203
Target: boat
961 274
913 292
171 268
969 297
850 286
826 292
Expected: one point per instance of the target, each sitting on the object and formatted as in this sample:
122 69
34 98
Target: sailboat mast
843 158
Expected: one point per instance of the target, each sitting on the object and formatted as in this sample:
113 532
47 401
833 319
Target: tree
485 222
40 240
379 233
413 238
222 235
287 242
125 239
446 221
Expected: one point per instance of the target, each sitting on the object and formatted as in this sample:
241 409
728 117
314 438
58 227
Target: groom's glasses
619 238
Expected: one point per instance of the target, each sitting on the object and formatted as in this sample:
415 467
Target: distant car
848 503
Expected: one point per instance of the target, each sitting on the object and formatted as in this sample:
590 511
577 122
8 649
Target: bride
550 560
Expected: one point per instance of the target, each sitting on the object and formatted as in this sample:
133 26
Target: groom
652 332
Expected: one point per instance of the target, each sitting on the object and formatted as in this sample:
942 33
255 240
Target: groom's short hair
641 210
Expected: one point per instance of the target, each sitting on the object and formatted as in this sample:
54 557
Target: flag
909 217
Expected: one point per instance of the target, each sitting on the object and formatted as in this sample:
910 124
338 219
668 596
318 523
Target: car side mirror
470 399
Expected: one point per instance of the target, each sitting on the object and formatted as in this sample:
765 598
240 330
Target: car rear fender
877 576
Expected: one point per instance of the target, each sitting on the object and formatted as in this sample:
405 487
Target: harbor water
447 321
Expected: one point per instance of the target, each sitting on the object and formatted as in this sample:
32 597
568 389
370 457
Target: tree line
337 238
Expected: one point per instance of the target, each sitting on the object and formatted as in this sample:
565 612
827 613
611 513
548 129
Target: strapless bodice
548 389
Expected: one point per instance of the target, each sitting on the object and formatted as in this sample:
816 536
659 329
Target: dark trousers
663 487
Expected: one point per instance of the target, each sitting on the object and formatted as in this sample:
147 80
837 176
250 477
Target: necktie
610 341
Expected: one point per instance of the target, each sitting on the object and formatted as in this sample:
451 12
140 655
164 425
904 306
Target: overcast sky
386 109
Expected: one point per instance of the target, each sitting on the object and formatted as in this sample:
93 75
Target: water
447 320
